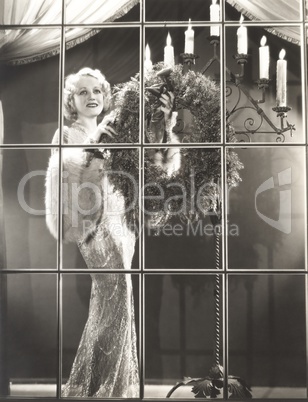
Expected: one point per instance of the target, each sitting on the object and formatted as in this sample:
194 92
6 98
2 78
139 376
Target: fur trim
81 194
170 124
51 195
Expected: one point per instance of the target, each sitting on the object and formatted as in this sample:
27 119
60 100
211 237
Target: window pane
178 211
260 106
40 12
267 341
100 335
268 207
162 10
202 47
196 95
29 334
28 242
97 12
179 331
262 11
30 85
115 53
100 208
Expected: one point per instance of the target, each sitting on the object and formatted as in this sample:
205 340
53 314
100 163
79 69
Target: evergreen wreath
201 96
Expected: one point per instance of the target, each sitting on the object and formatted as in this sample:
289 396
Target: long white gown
106 363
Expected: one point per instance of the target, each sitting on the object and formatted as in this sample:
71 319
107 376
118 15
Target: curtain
273 10
20 46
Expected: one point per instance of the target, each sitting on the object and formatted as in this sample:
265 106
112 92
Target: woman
93 211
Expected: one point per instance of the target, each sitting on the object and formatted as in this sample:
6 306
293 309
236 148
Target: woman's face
88 97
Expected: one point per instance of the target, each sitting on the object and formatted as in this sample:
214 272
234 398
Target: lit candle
189 39
264 59
214 17
242 44
281 84
148 65
169 52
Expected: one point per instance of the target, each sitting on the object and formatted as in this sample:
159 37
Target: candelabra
251 128
188 60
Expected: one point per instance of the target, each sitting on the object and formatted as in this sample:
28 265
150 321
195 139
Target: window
217 259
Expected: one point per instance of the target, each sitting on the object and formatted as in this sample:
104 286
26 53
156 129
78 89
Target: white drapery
273 10
19 46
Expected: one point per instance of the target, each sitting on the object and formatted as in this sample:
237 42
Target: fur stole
82 195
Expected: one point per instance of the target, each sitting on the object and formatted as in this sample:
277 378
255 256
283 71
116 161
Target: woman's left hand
167 100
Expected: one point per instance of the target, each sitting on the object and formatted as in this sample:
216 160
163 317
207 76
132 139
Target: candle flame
282 54
168 41
214 1
263 41
241 19
147 52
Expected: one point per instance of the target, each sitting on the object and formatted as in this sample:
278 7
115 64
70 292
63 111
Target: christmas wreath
201 96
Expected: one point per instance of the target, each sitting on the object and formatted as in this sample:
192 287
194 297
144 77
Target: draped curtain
19 46
273 10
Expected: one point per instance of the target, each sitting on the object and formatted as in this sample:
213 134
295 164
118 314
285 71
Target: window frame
143 272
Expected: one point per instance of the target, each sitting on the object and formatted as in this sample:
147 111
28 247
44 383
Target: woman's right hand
105 127
167 104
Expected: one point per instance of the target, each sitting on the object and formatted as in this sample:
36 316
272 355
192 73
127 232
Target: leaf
218 382
238 388
202 388
205 388
186 381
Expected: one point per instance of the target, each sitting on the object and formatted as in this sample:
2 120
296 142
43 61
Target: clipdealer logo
283 224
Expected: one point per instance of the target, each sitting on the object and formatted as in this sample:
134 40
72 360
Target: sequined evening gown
106 362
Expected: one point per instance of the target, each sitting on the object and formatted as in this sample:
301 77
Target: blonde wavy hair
70 112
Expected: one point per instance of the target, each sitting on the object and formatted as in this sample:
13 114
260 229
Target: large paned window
208 296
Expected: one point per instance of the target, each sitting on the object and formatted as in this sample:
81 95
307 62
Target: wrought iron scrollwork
251 128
